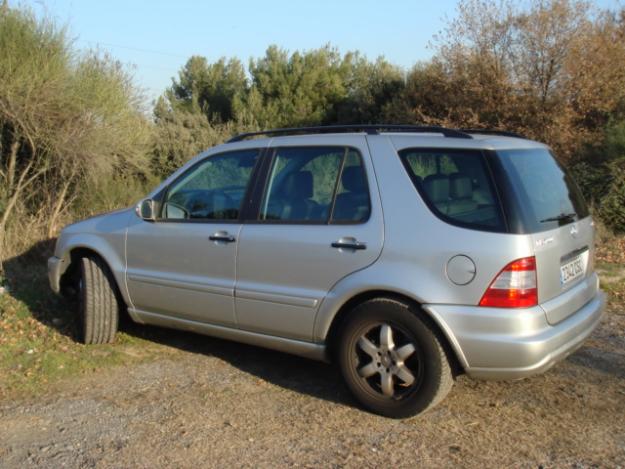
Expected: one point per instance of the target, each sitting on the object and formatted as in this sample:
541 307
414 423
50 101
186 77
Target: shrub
181 134
594 180
67 120
612 210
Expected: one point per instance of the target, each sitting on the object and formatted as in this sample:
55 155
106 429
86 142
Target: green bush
612 209
594 180
181 134
612 204
68 120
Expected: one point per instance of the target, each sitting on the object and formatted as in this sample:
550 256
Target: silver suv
406 254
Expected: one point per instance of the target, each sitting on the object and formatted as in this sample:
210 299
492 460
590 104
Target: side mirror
146 210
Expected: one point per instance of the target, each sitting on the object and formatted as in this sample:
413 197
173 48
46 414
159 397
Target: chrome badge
544 241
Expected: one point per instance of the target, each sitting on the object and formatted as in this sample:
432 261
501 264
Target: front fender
104 235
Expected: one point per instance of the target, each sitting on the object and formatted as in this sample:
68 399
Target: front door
318 220
183 264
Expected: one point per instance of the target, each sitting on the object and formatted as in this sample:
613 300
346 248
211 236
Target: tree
181 134
552 70
371 89
65 118
300 89
212 88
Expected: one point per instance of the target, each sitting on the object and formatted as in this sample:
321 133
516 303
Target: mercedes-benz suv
405 254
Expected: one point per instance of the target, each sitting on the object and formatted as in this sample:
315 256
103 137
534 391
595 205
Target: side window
212 190
303 183
352 197
456 185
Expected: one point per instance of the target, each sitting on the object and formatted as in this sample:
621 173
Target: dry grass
211 403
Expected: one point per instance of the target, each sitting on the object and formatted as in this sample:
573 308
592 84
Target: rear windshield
456 185
542 193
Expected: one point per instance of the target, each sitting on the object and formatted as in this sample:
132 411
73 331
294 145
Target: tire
374 361
98 308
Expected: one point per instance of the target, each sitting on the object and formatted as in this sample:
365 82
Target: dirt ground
212 403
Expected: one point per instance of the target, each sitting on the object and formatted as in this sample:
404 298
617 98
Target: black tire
98 306
427 364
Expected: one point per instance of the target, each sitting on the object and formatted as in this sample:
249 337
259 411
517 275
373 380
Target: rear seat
461 194
437 188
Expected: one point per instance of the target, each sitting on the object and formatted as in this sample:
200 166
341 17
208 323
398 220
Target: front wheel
98 305
392 361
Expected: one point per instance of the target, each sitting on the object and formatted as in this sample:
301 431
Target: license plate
574 268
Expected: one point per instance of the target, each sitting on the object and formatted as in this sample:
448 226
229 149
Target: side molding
295 347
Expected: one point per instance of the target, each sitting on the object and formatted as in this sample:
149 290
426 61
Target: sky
156 37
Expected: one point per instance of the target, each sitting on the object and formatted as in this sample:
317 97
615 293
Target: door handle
222 236
349 243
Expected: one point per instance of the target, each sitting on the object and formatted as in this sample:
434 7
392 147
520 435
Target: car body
444 219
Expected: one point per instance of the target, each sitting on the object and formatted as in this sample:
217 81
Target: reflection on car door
183 265
317 222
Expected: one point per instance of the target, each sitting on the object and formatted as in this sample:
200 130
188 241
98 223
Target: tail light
514 287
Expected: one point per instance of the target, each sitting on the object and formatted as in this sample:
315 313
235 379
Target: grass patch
37 338
612 277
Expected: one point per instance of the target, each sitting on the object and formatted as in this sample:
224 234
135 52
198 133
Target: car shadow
27 281
26 275
609 362
318 379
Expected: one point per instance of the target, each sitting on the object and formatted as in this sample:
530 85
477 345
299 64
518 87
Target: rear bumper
503 344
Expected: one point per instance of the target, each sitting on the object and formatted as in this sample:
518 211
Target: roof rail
371 129
503 133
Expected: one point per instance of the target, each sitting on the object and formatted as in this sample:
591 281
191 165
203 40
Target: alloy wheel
388 361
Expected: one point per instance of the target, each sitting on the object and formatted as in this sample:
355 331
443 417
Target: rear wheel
393 362
98 305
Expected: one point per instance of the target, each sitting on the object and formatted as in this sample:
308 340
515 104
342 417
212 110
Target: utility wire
138 49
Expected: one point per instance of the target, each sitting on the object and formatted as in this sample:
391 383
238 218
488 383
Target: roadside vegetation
37 345
77 138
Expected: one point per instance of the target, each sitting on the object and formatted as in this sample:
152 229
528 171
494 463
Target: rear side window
456 185
316 185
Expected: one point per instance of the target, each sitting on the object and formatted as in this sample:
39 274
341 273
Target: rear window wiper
561 217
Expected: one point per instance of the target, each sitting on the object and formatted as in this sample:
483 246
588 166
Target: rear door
549 205
317 219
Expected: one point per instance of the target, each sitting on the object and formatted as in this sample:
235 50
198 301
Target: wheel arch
449 343
78 252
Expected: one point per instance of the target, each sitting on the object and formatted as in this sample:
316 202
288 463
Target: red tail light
514 287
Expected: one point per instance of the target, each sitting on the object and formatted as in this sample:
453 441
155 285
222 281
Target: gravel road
211 403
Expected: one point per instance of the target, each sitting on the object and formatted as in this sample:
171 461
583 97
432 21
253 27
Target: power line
138 49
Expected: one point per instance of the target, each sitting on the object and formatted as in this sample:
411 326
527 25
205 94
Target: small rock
30 351
454 449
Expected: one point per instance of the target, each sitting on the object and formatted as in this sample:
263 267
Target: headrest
437 187
461 187
353 179
298 185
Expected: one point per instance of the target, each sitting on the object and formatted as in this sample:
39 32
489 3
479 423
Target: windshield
543 193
